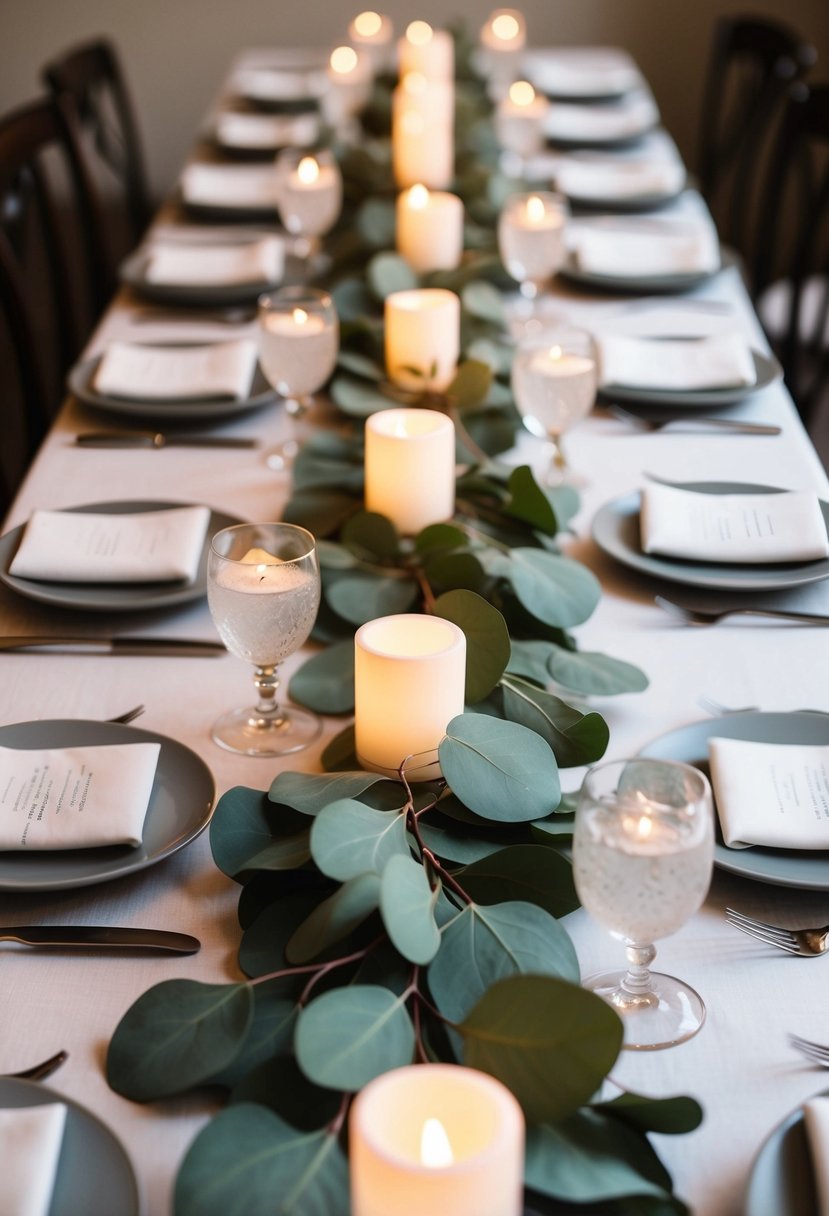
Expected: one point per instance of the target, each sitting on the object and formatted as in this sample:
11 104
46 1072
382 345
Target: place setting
600 124
581 74
293 82
172 268
249 133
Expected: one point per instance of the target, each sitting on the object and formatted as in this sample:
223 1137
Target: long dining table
740 1066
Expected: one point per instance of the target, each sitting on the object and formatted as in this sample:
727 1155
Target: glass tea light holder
429 228
349 82
554 382
426 51
531 241
422 338
373 34
423 132
436 1138
519 125
643 848
502 39
410 467
309 196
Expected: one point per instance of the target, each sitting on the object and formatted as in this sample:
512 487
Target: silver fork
816 1052
807 943
129 716
696 420
710 616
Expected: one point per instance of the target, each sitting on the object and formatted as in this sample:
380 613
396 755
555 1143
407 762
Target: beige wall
176 51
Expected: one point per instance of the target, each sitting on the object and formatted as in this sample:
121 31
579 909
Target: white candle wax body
532 246
409 682
423 331
311 205
297 352
373 34
429 229
520 128
484 1127
410 467
432 57
422 133
556 388
349 78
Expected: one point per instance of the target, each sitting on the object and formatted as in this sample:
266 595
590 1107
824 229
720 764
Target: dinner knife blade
157 440
173 647
106 936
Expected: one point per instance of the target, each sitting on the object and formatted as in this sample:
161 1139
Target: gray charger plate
94 1172
81 383
652 283
615 530
625 204
766 368
133 272
782 1176
180 806
113 597
805 868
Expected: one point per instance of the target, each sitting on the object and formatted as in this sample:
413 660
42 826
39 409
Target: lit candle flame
368 24
505 27
419 33
260 570
535 209
418 197
521 93
435 1148
556 352
300 316
308 170
343 60
644 827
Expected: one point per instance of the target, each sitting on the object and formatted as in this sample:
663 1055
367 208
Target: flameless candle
373 32
422 132
410 467
349 84
436 1138
429 229
519 119
409 683
423 331
310 190
429 52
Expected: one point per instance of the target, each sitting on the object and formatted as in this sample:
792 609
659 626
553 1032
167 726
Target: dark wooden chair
752 63
92 74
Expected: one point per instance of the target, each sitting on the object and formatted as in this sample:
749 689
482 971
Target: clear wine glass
309 196
642 855
554 381
263 589
531 242
299 337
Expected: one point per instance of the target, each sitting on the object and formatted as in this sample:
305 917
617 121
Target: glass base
667 1013
249 733
281 458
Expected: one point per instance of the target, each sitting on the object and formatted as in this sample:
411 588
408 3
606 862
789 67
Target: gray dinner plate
226 213
803 868
81 383
782 1177
94 1172
766 368
635 283
615 530
624 204
113 597
133 272
180 806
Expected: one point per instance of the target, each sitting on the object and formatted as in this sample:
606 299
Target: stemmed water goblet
642 854
263 590
531 242
309 196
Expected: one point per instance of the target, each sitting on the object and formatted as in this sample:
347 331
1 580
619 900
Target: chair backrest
752 63
793 245
91 73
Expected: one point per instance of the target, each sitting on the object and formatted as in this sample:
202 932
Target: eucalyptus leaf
575 738
487 639
334 918
598 674
500 770
529 658
376 222
281 1085
353 300
333 556
310 792
242 836
360 597
470 385
177 1035
526 872
456 846
349 838
669 1116
371 535
556 590
325 682
493 430
550 1042
586 1158
498 355
387 273
347 1037
271 1031
361 365
407 908
264 940
321 511
340 754
441 538
485 944
481 299
454 572
357 397
529 503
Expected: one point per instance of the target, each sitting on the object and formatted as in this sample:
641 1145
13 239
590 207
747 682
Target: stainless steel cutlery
93 937
156 440
125 645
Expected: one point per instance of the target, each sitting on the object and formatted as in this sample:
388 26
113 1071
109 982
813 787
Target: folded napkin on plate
84 547
733 528
75 797
816 1119
233 186
30 1143
178 373
695 363
266 131
278 84
772 794
599 123
581 71
657 247
186 264
623 177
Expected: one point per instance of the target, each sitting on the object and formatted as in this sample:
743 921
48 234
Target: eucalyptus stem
336 1124
477 451
317 970
426 590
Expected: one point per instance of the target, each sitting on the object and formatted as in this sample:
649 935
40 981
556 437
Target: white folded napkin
597 178
633 249
75 797
178 373
278 84
185 264
581 71
734 528
624 119
266 131
30 1144
816 1120
772 794
232 186
83 547
695 363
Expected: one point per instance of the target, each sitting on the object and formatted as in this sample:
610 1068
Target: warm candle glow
414 83
368 24
300 316
521 93
435 1149
505 26
556 352
644 827
343 60
535 210
419 33
418 197
308 170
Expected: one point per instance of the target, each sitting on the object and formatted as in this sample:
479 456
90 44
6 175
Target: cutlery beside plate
108 937
155 440
182 648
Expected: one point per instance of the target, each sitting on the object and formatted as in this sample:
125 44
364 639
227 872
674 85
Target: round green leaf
529 503
334 918
388 272
470 384
348 1036
407 907
340 752
353 300
487 639
499 769
375 222
554 589
670 1116
334 556
242 837
310 792
528 658
349 838
456 846
368 534
454 572
325 682
527 872
281 1085
440 538
267 935
271 1031
361 597
361 365
356 397
588 1158
599 674
320 511
482 300
575 738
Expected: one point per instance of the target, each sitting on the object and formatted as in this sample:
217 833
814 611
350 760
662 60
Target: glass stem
637 981
267 684
296 407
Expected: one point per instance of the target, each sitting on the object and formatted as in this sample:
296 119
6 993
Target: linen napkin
695 363
773 794
733 528
30 1143
266 132
606 177
83 547
604 122
816 1120
633 248
185 264
278 84
75 797
581 71
178 373
246 187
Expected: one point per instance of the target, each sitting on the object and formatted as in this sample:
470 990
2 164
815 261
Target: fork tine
761 936
814 1051
740 921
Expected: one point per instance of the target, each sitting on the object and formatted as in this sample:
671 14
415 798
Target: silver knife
92 936
156 440
175 647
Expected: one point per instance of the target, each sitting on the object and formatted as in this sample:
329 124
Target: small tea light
531 232
427 51
519 119
436 1138
297 347
410 467
422 132
373 33
409 683
429 229
309 191
349 84
423 331
505 32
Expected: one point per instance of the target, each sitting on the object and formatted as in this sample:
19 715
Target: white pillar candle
423 331
531 236
349 77
427 51
436 1138
429 227
422 132
373 33
409 683
410 467
310 197
519 119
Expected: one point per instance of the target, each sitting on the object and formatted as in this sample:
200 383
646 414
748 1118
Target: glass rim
293 293
694 773
295 529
